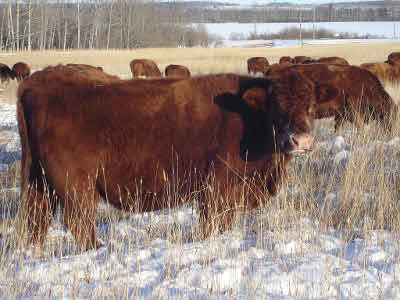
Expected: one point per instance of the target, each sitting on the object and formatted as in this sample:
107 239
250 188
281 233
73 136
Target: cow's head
278 113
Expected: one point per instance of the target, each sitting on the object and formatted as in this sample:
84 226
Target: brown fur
327 60
286 59
21 70
134 136
144 67
384 71
257 64
300 59
277 67
5 73
361 93
332 60
393 58
177 71
85 66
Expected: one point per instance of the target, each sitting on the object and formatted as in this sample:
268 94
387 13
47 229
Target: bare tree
78 20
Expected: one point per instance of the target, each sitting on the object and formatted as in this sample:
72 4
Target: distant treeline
355 12
100 24
293 33
127 24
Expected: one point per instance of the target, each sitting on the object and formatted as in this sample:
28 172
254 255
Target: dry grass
198 60
353 194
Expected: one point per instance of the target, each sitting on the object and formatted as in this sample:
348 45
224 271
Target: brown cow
257 64
332 60
121 139
301 59
328 60
85 66
286 59
145 68
177 71
393 58
5 73
21 70
361 93
384 71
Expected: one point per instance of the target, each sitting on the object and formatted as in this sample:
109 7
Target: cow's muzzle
297 144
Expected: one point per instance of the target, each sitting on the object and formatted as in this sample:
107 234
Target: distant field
199 60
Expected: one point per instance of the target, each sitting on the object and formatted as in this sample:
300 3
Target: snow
386 30
155 255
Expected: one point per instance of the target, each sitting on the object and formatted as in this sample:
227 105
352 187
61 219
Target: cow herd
87 134
19 71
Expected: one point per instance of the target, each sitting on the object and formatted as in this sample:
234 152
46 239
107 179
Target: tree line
96 24
127 24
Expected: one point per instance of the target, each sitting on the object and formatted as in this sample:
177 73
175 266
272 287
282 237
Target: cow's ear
230 102
255 97
325 92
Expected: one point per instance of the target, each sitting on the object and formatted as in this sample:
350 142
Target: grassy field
198 60
349 184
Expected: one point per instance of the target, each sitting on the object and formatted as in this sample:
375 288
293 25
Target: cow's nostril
294 141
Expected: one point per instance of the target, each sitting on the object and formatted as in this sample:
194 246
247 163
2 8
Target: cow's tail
26 149
25 164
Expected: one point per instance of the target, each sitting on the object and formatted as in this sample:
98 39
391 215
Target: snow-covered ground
154 255
379 29
387 31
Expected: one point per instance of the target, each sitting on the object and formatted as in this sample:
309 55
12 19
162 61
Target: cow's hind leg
79 210
37 213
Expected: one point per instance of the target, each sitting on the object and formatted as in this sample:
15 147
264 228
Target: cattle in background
257 64
85 66
21 70
332 60
384 71
95 73
328 60
286 59
86 140
5 73
393 58
177 71
144 68
301 59
361 93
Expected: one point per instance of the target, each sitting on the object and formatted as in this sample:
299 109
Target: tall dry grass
351 188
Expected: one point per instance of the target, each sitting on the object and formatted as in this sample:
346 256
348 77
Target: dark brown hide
361 93
5 73
301 59
85 66
286 59
257 64
332 60
21 70
177 71
393 58
144 67
115 139
384 71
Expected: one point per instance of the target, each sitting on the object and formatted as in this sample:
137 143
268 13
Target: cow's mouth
296 144
298 152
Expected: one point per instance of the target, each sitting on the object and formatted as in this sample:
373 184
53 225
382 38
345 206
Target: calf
257 64
144 68
177 71
124 137
21 70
